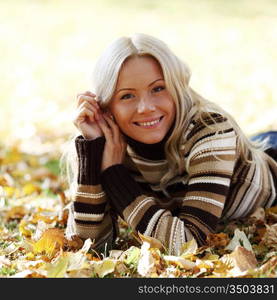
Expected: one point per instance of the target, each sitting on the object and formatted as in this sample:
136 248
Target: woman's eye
158 88
126 96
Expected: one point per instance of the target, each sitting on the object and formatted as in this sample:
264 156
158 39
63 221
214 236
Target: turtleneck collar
149 151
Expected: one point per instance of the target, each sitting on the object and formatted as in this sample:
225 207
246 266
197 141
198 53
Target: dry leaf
270 265
238 239
58 269
51 241
103 267
243 259
179 261
154 243
258 214
146 263
218 239
270 236
17 212
189 248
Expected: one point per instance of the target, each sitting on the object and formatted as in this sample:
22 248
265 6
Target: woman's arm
91 218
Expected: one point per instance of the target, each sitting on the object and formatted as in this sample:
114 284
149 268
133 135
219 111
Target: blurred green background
48 49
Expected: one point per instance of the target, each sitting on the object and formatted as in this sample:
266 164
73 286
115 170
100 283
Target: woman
157 154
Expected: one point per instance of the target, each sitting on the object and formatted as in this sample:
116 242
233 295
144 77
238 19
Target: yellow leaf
51 241
11 191
30 256
104 267
23 230
272 209
58 269
189 248
30 188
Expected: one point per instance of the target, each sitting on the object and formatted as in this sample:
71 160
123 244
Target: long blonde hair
176 75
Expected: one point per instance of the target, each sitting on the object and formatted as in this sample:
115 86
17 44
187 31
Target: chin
150 140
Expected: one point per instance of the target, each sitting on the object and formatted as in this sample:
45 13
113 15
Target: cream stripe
212 144
233 152
273 191
138 207
204 199
153 221
89 195
88 217
218 180
250 197
156 164
172 234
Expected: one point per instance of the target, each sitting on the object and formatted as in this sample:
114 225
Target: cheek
122 117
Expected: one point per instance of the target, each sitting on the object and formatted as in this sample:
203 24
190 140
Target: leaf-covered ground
33 217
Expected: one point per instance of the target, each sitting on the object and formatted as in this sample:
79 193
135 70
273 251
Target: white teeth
149 123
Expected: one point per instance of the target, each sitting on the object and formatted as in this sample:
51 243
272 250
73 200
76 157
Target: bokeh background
48 49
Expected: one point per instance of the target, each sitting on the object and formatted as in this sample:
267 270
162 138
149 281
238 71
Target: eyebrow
130 89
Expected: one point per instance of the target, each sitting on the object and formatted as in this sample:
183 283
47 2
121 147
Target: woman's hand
115 146
87 115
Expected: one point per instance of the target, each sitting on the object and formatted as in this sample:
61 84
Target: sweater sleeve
90 212
210 165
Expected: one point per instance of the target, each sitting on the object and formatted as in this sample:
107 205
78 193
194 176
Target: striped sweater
216 184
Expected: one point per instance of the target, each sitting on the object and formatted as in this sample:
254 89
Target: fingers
114 128
89 97
106 130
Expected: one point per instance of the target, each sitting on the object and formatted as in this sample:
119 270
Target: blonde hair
177 76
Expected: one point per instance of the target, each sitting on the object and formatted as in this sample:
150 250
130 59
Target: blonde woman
157 154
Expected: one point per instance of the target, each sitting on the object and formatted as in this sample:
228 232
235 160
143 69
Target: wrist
91 138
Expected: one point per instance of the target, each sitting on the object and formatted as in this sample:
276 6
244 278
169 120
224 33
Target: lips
149 123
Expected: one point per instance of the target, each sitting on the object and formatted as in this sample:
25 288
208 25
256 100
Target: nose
145 105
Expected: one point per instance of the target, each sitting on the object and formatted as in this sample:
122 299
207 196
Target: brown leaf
243 259
270 236
270 265
16 212
154 243
218 239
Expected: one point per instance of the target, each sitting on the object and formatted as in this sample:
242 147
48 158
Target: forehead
139 69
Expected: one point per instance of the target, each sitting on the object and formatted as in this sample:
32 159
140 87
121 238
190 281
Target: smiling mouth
149 124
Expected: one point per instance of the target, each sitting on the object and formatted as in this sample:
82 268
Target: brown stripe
215 210
217 157
94 231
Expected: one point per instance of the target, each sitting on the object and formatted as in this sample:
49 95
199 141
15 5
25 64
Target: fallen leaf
51 241
146 263
179 261
189 248
243 259
258 214
218 239
58 269
270 236
239 239
103 267
154 243
30 188
16 212
132 256
23 228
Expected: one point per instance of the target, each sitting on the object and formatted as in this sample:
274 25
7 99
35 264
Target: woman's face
142 107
